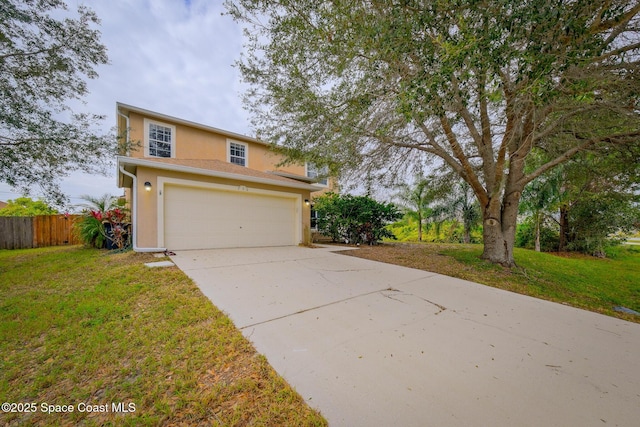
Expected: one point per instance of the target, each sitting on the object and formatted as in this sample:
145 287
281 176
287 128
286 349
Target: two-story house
192 186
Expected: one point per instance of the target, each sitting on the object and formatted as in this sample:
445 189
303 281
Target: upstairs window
160 139
318 172
238 153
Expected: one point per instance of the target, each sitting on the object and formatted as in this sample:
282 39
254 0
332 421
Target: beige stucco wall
195 143
147 203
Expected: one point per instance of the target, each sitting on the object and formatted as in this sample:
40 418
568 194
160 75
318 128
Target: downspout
134 215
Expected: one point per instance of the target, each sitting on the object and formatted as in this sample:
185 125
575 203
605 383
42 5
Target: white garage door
204 218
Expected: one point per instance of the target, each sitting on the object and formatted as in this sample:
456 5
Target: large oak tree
477 85
46 54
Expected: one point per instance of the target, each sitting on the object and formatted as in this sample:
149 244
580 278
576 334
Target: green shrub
449 231
91 231
404 230
526 236
104 223
595 220
354 219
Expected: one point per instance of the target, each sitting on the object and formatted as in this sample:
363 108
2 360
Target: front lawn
581 281
123 344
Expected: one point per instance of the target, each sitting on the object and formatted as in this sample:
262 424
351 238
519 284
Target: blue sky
170 56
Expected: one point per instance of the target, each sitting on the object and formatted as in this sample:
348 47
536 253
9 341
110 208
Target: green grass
86 326
581 281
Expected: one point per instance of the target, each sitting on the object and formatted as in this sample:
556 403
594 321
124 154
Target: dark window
238 154
159 141
314 219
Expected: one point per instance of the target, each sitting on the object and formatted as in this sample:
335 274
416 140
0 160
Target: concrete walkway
373 344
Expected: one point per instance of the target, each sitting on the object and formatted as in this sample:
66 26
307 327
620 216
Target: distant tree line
25 206
585 205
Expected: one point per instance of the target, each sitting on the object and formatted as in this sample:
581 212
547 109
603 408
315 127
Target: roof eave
135 162
294 176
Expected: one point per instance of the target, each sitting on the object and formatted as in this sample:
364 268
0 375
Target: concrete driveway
373 344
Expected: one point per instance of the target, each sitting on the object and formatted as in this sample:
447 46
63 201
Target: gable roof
215 168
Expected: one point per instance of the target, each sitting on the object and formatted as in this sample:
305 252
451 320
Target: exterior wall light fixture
147 186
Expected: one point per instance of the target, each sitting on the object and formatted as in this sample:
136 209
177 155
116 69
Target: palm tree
415 200
469 209
100 204
458 203
90 227
541 197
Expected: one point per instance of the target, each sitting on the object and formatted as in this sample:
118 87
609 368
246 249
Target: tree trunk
496 245
499 229
537 245
564 229
419 226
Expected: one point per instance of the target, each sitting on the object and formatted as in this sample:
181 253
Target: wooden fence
37 231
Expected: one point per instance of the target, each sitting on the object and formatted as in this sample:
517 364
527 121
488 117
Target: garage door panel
201 218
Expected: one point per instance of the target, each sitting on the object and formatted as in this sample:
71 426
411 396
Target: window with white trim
238 153
321 173
160 139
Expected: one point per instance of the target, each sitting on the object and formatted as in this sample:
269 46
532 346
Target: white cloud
171 58
168 56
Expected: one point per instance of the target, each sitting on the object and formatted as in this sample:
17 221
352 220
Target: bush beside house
104 223
354 219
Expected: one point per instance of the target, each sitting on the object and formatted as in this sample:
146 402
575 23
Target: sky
175 57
